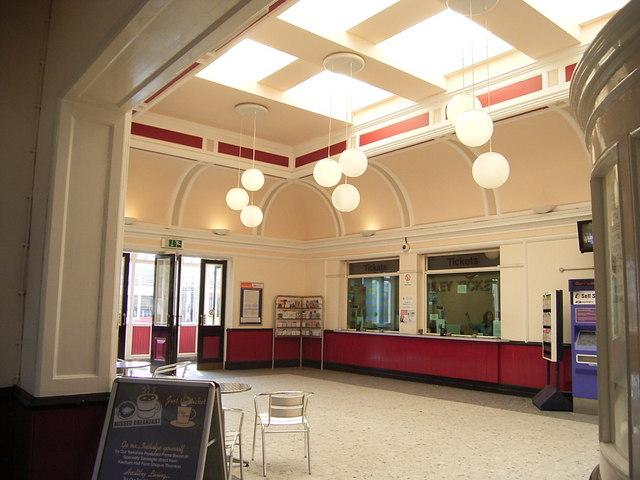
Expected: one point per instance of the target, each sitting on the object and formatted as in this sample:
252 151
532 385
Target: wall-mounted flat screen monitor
585 236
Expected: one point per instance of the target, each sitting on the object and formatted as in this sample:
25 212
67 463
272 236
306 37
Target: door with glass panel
124 303
164 328
212 308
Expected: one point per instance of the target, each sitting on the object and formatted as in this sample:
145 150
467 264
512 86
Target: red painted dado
396 129
466 360
316 155
523 365
311 348
512 91
491 362
249 345
287 349
261 156
165 135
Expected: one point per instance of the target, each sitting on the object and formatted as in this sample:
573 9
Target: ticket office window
372 296
463 294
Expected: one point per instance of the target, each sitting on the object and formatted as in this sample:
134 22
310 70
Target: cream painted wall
530 268
280 277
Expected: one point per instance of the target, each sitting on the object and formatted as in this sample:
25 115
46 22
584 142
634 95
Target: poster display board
251 303
162 428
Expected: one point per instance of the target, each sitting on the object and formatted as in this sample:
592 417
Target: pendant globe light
251 216
326 171
252 178
460 104
345 197
473 126
353 161
237 198
490 170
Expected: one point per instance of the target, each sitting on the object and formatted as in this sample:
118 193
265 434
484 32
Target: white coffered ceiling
415 51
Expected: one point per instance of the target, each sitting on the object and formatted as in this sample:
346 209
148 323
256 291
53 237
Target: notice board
166 429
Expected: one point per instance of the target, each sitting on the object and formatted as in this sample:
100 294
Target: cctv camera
405 245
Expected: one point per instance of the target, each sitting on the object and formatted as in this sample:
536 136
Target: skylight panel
336 15
333 94
248 61
442 44
575 11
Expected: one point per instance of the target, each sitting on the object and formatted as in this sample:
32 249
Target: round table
233 387
127 366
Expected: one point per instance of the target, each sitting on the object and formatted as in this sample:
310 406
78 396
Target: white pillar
76 333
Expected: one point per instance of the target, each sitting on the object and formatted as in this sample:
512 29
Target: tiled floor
376 428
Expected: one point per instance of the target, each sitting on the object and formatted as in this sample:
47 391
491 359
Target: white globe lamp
345 197
237 198
490 170
353 162
460 104
474 128
251 216
252 179
327 172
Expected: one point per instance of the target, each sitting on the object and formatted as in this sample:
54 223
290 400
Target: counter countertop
434 336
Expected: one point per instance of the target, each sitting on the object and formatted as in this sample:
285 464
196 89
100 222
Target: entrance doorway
173 309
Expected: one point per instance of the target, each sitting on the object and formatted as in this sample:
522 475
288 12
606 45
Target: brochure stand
299 318
550 397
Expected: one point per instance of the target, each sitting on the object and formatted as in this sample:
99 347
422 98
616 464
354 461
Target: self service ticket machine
583 346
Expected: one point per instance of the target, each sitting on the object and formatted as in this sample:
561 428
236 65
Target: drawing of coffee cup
185 415
147 405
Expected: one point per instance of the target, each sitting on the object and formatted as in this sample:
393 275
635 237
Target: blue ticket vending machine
584 351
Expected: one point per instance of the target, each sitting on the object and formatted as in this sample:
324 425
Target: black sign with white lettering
379 266
160 429
466 260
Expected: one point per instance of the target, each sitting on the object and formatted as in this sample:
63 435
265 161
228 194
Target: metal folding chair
281 412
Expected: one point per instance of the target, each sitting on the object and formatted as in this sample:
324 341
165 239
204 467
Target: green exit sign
171 243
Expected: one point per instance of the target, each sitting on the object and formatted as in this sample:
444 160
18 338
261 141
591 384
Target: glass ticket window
372 298
463 294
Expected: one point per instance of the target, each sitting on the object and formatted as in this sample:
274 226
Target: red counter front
492 362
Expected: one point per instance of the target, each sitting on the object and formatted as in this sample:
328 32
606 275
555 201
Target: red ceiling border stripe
261 156
175 79
397 128
512 91
320 154
165 135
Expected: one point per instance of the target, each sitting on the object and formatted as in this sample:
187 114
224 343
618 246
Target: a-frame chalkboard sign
162 429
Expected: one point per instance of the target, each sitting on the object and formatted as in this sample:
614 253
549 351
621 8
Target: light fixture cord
255 121
486 29
330 114
349 108
473 70
240 154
